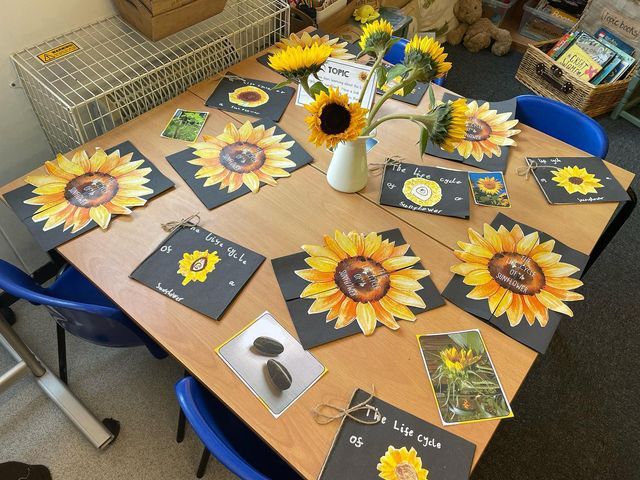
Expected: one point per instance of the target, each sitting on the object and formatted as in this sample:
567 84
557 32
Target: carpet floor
574 415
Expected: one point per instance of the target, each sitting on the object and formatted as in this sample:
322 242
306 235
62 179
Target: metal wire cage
117 74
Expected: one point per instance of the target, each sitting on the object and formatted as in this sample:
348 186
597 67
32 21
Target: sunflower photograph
338 47
464 381
195 266
362 278
489 189
242 156
423 192
517 274
576 180
401 464
487 132
249 96
74 192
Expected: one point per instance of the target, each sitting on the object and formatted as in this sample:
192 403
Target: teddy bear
476 32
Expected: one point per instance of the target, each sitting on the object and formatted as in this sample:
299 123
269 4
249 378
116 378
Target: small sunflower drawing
487 132
363 278
249 96
73 192
576 180
195 267
490 185
247 155
401 464
423 192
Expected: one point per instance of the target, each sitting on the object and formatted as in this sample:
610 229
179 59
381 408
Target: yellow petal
560 270
371 243
466 268
251 180
553 303
491 235
406 297
398 263
313 275
366 317
478 277
384 317
481 292
526 244
346 244
322 264
563 283
317 251
320 289
100 215
396 309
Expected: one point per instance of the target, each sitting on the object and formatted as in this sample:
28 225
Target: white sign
349 77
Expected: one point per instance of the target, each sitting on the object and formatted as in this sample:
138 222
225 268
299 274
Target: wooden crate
156 19
548 78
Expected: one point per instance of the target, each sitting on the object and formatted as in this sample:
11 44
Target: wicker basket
546 77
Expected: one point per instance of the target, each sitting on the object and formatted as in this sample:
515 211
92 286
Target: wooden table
275 222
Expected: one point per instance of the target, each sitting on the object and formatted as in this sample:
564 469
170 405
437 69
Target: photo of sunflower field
185 125
464 380
489 189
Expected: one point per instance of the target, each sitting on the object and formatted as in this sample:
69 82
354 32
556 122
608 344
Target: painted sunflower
423 192
489 185
195 267
363 278
458 360
376 35
74 192
427 57
401 464
450 126
249 96
334 119
247 155
295 62
338 48
487 131
517 274
576 180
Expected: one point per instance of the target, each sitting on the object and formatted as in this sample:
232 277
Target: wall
23 145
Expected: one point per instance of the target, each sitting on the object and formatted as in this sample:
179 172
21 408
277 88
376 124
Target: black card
199 269
576 180
250 97
531 275
313 328
225 173
89 189
478 147
435 190
399 442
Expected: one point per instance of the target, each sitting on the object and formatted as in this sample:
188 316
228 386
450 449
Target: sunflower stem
304 83
422 119
389 93
376 64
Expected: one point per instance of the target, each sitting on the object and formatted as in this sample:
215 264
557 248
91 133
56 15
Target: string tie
325 413
376 169
184 223
530 166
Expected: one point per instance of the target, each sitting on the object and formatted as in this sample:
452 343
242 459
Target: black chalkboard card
400 445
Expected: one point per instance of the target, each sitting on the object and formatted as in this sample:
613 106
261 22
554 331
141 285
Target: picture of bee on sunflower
334 118
464 380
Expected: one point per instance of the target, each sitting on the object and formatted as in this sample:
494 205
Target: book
611 39
561 45
622 68
586 57
604 73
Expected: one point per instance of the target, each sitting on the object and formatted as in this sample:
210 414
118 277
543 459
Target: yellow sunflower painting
195 267
242 156
249 96
73 192
338 48
487 132
423 192
489 185
576 180
517 274
363 278
401 464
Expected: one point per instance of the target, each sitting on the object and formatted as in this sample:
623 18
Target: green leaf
317 88
392 41
382 76
408 88
280 85
424 139
366 51
396 71
432 96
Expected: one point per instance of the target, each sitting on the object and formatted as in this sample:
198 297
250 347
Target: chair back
395 55
563 122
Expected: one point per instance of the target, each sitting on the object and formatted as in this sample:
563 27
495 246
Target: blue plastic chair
227 438
79 308
564 123
396 55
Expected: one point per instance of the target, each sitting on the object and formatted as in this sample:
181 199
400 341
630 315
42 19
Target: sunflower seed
268 346
279 374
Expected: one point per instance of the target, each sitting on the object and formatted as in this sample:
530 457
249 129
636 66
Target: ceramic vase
348 170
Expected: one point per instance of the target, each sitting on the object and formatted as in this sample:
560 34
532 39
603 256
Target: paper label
58 52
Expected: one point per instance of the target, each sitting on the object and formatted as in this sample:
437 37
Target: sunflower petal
319 289
396 309
322 264
366 317
100 215
406 297
347 313
346 244
384 317
318 251
398 263
552 302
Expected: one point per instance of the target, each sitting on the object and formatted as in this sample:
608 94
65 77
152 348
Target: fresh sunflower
249 96
74 192
487 131
334 119
195 267
401 464
489 185
427 58
376 36
364 278
247 155
576 180
450 126
365 13
517 274
338 48
456 360
296 62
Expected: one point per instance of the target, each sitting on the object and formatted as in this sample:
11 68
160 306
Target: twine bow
531 165
322 416
185 222
377 168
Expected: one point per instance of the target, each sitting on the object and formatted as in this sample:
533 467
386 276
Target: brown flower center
249 96
242 157
477 130
517 273
91 189
406 471
362 279
199 265
576 180
489 184
334 119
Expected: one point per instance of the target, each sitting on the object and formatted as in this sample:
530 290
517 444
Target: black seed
268 346
279 375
